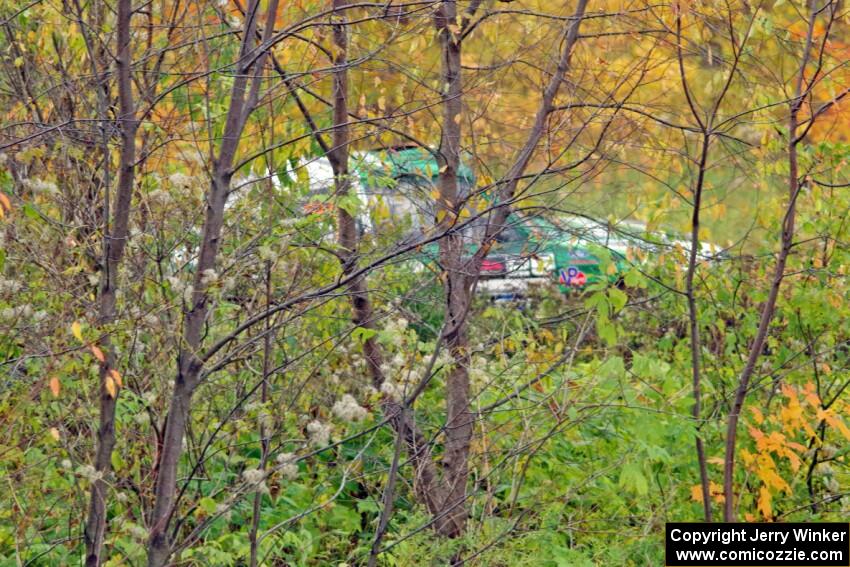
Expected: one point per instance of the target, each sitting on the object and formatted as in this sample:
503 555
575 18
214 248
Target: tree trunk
693 320
451 518
189 362
426 480
769 308
115 240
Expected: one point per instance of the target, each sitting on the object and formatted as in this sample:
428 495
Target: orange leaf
98 354
55 387
764 502
716 491
696 493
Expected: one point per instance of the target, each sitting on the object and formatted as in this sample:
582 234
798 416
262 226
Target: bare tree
243 98
803 86
115 240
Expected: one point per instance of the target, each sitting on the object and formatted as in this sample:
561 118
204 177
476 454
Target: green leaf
350 204
599 300
344 519
362 334
618 298
606 330
117 461
207 504
30 212
634 279
633 479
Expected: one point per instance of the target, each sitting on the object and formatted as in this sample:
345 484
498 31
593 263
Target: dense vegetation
206 361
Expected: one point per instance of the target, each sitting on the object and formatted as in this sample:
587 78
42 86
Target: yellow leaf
98 354
77 330
55 386
117 377
764 502
109 384
54 433
4 201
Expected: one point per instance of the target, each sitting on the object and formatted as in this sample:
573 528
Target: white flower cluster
828 472
208 277
478 371
176 283
394 365
353 358
256 478
89 472
266 254
159 197
136 531
41 186
180 180
180 287
444 360
347 409
319 433
288 465
832 485
396 331
10 286
265 419
24 311
392 390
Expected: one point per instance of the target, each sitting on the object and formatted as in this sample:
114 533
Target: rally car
534 248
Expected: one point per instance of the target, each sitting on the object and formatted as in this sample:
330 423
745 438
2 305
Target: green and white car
532 249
